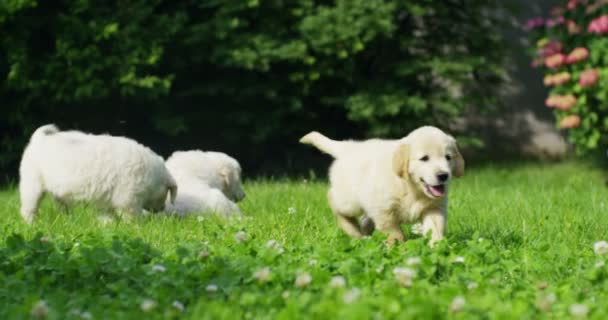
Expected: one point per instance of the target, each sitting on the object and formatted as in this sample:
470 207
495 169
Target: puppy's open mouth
436 190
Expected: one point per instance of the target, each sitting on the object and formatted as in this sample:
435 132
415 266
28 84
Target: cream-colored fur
110 172
391 182
208 182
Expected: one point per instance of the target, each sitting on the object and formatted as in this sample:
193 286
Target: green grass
526 233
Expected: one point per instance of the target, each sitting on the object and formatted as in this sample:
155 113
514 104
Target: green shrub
244 76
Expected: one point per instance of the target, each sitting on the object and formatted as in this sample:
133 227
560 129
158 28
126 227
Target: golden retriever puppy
391 182
108 171
207 181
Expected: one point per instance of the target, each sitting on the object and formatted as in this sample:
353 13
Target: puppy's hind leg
31 192
390 225
345 215
350 225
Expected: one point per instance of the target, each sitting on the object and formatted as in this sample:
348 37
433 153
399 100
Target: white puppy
110 172
391 181
208 182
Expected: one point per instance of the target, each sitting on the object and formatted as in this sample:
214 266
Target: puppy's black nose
443 177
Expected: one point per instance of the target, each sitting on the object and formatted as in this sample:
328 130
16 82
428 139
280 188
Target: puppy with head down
208 182
107 171
391 182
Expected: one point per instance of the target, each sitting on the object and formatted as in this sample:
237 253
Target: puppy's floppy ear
171 186
173 192
459 171
401 160
225 173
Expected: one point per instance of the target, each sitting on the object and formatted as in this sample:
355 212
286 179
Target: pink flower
536 62
573 28
598 25
555 22
572 4
561 102
588 78
535 23
552 101
578 54
551 48
557 79
570 122
555 60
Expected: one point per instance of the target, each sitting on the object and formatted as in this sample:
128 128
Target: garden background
510 79
250 77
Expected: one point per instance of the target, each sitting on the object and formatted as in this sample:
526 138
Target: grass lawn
520 246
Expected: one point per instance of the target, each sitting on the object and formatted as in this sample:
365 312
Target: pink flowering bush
571 48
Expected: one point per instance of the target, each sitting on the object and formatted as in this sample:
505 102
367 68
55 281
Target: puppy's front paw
394 238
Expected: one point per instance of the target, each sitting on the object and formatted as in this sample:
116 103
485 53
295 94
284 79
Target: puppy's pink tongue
437 191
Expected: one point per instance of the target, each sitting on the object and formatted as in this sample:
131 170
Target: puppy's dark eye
425 158
448 157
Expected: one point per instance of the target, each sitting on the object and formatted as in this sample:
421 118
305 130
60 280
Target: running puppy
391 182
110 172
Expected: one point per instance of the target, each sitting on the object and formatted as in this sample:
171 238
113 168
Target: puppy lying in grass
209 182
391 182
110 172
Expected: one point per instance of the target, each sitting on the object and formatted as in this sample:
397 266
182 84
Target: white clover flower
178 305
457 304
158 268
337 282
579 310
380 269
303 280
240 236
545 302
76 244
203 254
404 276
200 218
417 229
81 314
351 296
600 264
413 261
147 305
458 259
480 239
262 275
285 294
291 210
600 248
40 310
312 262
472 285
211 288
274 245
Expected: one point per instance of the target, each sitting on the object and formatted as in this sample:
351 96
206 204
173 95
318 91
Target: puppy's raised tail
323 143
44 131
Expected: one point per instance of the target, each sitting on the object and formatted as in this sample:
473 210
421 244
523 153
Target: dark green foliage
245 77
